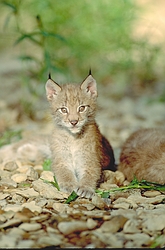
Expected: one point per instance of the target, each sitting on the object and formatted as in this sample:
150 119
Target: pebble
99 202
69 227
32 174
114 225
3 196
33 213
91 224
156 223
13 207
27 192
12 222
151 193
10 166
47 190
47 175
32 206
60 208
8 182
52 240
131 226
30 226
18 178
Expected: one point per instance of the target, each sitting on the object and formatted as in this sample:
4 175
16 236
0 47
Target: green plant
134 184
69 37
47 165
10 136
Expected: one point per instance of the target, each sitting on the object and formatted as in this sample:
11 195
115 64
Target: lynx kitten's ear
52 88
90 85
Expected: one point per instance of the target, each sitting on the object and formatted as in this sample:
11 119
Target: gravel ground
29 207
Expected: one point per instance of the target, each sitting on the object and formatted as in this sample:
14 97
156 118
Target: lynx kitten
79 150
143 155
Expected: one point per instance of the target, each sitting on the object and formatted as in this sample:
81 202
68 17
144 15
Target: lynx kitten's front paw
85 191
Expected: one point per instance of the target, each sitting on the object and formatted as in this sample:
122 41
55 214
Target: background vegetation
66 38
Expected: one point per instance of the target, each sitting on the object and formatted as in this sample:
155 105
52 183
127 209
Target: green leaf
57 186
9 136
105 194
47 165
143 184
11 6
29 36
50 34
73 196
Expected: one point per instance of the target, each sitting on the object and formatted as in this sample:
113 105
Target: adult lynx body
143 155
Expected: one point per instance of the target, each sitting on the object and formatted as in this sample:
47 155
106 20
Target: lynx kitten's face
73 106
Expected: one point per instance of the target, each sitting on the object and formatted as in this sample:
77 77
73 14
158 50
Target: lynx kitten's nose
74 122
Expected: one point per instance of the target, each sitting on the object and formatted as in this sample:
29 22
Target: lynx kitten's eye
64 110
81 109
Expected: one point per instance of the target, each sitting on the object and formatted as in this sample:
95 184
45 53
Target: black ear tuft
49 77
90 72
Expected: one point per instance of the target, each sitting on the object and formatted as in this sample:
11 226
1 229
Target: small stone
155 223
32 206
9 214
89 206
10 166
139 239
59 207
72 226
32 174
51 240
12 222
137 198
47 175
30 226
131 227
2 218
24 169
7 241
17 232
99 202
18 178
109 239
3 196
27 193
18 199
30 244
91 224
123 205
7 182
46 190
13 207
41 202
151 193
113 226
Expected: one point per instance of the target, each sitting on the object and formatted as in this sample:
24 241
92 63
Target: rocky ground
33 213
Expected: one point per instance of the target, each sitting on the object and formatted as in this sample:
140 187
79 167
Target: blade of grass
73 196
134 184
47 165
9 136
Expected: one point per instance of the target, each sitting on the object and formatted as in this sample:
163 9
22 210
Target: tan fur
143 155
79 151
